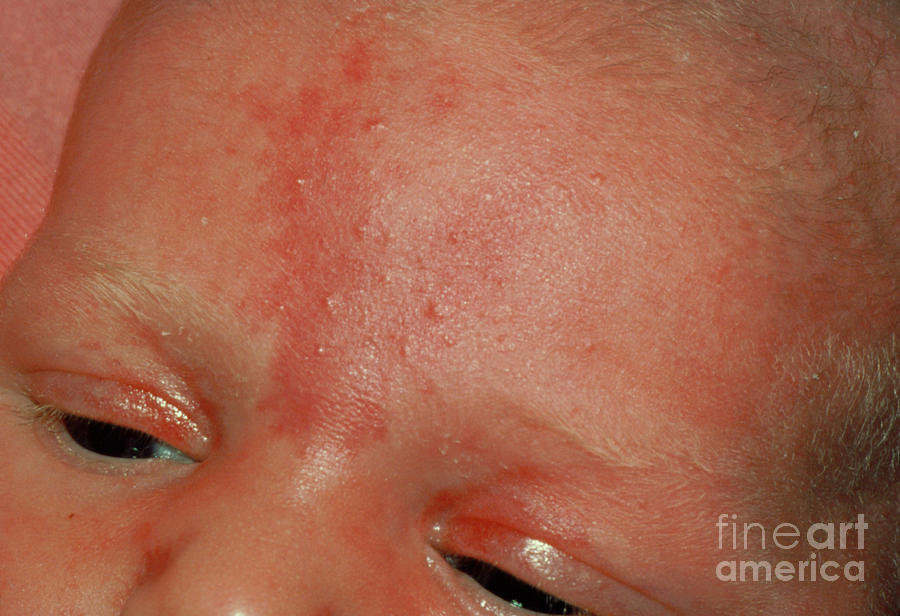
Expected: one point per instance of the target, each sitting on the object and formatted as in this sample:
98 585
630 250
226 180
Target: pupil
509 588
109 440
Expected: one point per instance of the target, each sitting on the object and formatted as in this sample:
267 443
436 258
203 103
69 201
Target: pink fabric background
44 47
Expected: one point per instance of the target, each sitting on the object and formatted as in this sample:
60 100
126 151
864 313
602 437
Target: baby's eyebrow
610 439
151 299
676 449
161 311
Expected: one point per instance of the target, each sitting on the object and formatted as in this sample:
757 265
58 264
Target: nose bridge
236 544
214 570
221 566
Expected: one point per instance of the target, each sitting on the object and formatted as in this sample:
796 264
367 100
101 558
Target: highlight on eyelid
178 423
507 587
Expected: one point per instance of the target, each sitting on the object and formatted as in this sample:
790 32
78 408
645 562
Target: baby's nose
255 534
232 565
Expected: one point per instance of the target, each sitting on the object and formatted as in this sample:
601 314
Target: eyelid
116 403
508 591
57 423
544 566
533 561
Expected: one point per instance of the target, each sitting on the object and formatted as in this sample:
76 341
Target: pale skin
392 294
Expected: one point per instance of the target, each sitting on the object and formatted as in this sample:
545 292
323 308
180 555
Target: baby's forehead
392 135
413 123
579 103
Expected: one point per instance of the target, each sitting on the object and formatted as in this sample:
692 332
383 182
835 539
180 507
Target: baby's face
375 305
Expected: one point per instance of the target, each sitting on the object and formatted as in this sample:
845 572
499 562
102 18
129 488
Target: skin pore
410 281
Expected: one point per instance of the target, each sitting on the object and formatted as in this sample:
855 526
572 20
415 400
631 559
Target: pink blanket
44 46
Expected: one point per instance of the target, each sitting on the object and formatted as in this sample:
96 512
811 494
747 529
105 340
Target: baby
470 307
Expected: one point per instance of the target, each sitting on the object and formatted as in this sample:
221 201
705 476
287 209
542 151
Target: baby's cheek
59 548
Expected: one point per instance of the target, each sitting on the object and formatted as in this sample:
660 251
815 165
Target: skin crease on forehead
409 268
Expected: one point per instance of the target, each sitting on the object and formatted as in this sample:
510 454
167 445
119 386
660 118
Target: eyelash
101 438
510 589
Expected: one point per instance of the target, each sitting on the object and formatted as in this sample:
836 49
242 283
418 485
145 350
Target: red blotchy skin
330 251
331 179
357 63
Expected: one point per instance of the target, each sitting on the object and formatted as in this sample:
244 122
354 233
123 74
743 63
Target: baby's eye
114 441
512 590
106 439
